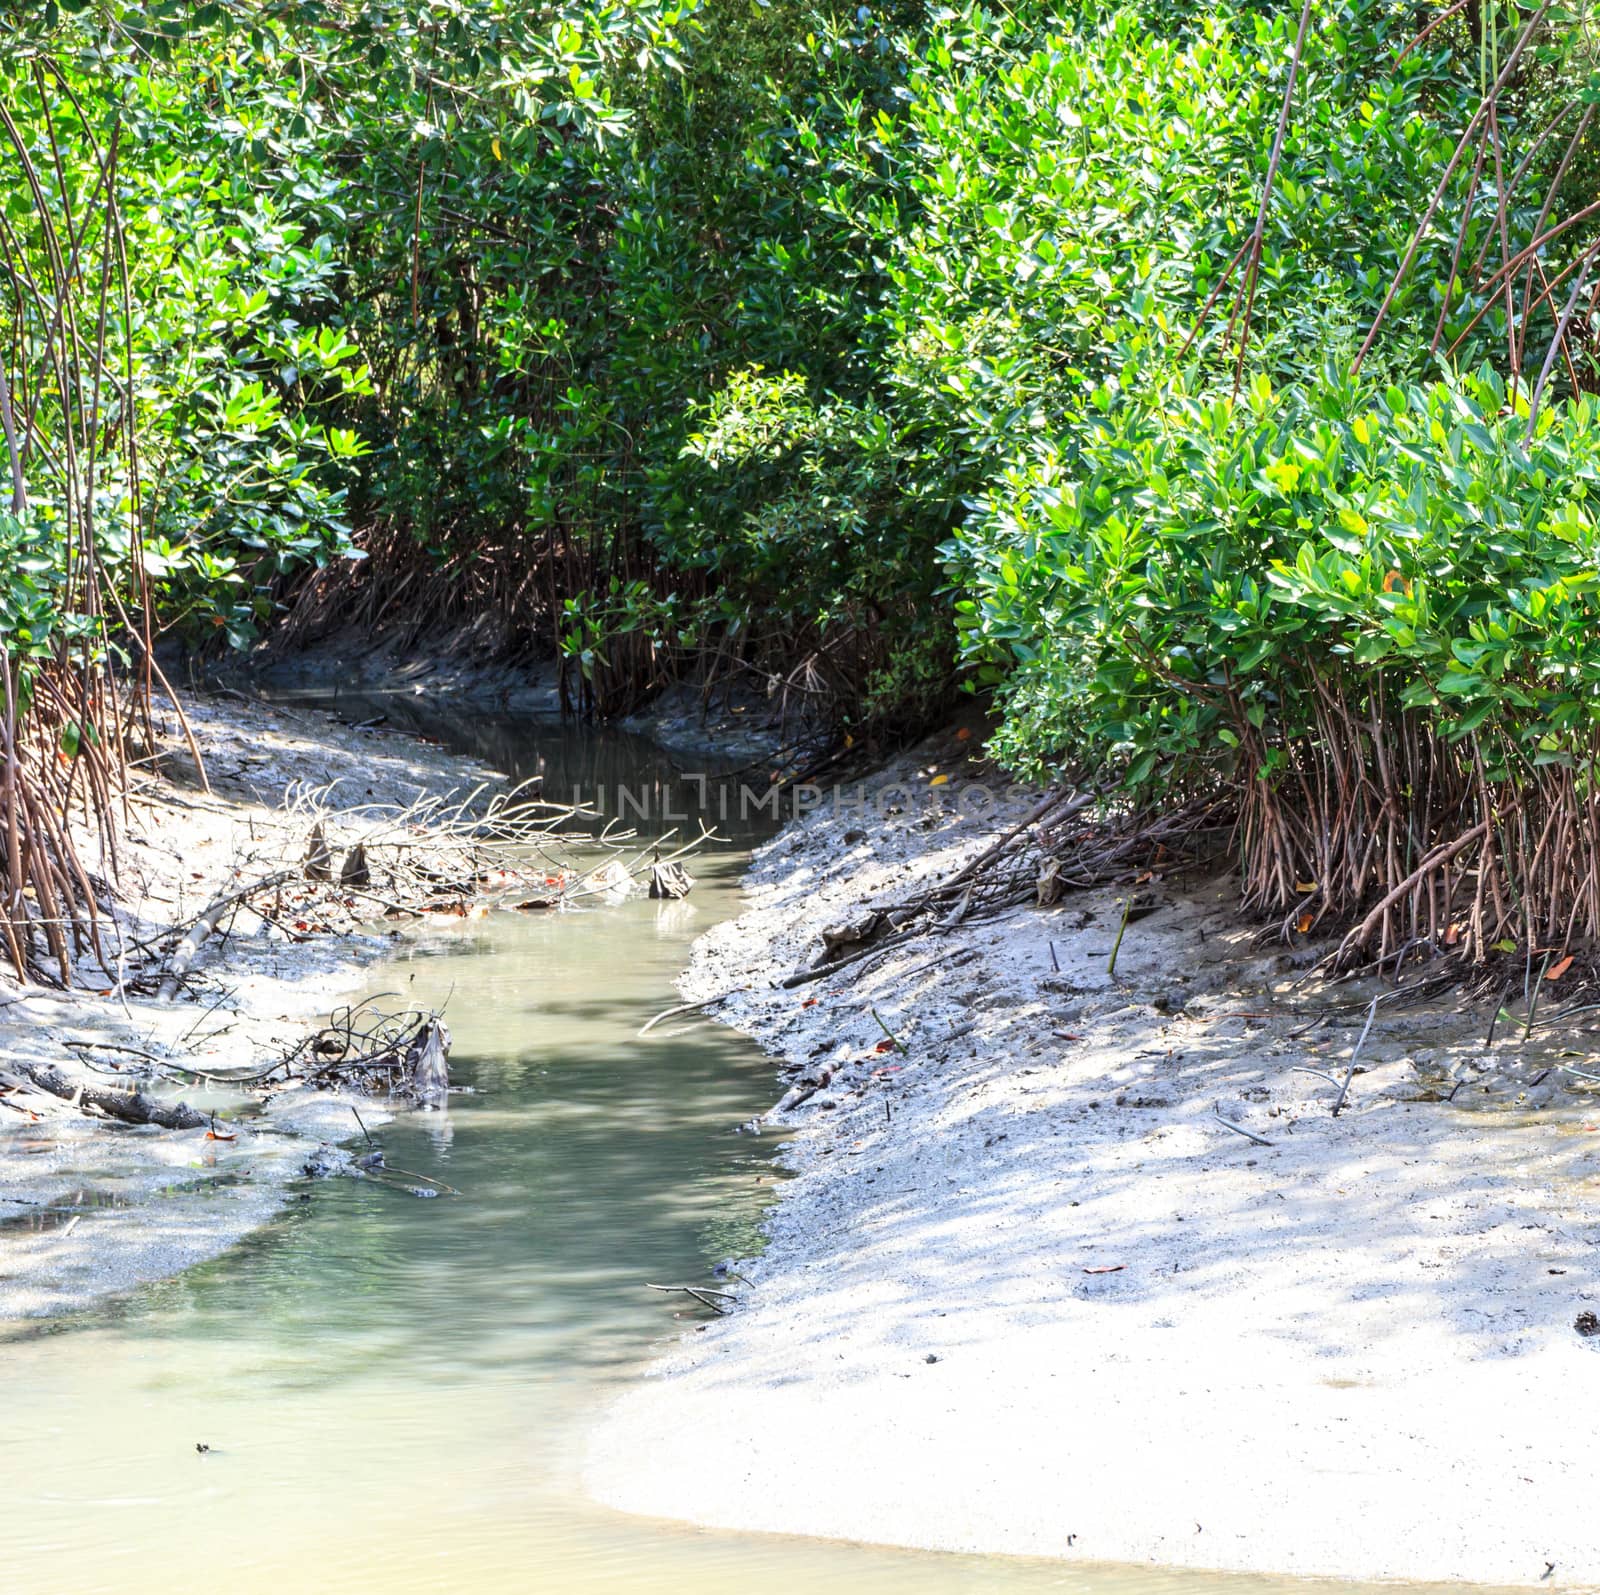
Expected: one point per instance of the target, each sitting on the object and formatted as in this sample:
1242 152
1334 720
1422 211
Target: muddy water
392 1391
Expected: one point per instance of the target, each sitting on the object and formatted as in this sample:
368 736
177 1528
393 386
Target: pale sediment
1026 1294
89 1209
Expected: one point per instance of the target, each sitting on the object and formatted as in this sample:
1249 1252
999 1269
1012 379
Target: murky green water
393 1390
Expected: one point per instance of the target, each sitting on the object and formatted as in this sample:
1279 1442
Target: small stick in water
702 1294
686 1007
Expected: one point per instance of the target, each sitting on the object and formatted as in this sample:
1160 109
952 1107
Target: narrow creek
394 1391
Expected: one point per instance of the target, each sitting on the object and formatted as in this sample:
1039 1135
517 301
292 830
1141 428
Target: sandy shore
1026 1294
89 1209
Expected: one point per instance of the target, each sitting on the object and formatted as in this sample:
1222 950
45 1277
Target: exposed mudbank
89 1209
1086 1267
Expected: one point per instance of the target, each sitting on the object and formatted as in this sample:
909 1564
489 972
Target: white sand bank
1349 1353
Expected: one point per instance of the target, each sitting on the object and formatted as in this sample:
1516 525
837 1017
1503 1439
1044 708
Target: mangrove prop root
1420 845
1238 1129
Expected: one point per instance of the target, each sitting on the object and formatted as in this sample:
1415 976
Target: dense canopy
1208 380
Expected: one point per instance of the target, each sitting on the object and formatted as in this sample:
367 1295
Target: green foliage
676 329
797 495
31 580
1148 558
298 192
1218 567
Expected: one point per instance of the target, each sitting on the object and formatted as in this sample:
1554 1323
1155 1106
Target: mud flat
1027 1293
89 1209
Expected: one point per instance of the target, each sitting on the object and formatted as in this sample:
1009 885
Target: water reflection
624 777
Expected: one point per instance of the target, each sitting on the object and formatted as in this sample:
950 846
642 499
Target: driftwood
318 863
131 1107
670 881
20 1094
1049 886
849 934
962 908
429 1083
704 1294
803 1090
800 977
404 1053
187 950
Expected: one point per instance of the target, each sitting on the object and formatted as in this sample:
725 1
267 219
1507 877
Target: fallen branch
686 1007
802 1091
187 950
1075 804
404 1053
702 1294
801 976
115 1046
131 1107
1008 874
